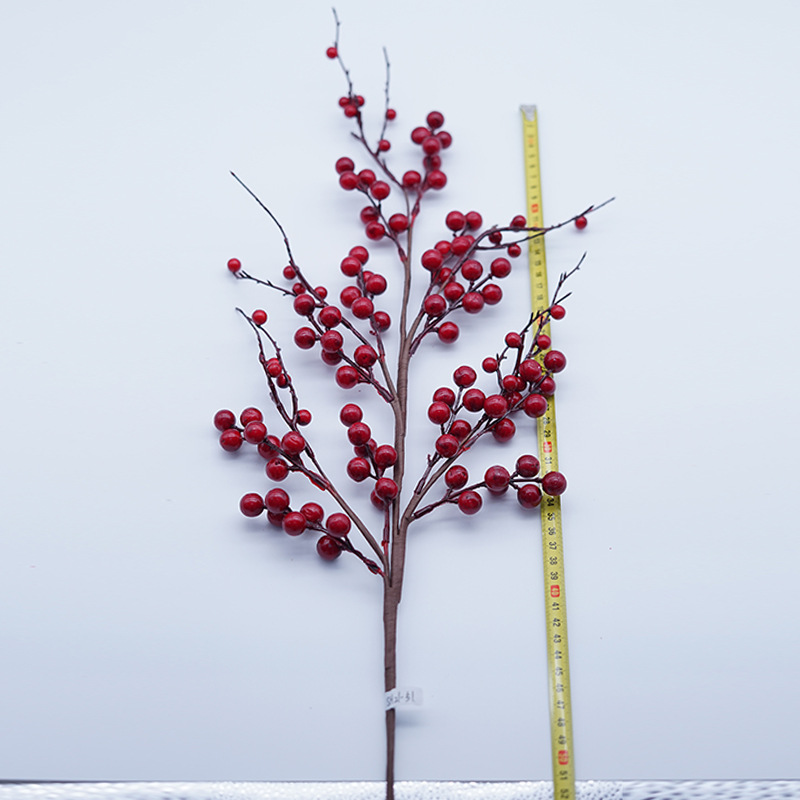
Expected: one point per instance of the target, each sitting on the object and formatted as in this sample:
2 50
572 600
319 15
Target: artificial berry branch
349 335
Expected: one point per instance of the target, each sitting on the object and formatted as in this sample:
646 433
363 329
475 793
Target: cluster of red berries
497 479
283 456
459 280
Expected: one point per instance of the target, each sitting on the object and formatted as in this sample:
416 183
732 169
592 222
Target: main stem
393 581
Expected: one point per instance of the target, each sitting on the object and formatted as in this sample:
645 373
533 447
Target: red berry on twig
470 502
581 223
328 548
554 484
251 505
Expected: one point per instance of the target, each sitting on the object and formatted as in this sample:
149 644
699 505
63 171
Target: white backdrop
149 631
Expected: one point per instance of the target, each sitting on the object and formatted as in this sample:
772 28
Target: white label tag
409 697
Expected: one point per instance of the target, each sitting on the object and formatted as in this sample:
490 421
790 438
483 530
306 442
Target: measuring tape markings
552 538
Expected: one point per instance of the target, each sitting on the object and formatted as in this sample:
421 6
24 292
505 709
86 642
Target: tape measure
555 601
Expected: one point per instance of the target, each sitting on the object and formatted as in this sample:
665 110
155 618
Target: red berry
581 223
460 429
495 237
444 395
384 145
504 430
431 259
386 489
348 180
443 247
305 338
382 320
350 110
555 361
445 138
500 267
497 479
448 332
224 419
431 145
275 519
294 523
366 450
398 223
303 416
472 269
362 308
447 445
276 501
350 414
259 316
358 469
391 113
289 272
331 52
554 484
359 252
514 250
530 370
535 405
349 295
380 190
304 304
331 341
460 245
437 179
344 164
411 179
255 432
366 177
330 316
453 291
251 415
375 284
558 312
234 265
432 162
369 214
474 220
434 305
338 524
470 502
347 377
359 433
527 466
518 222
293 443
513 339
489 365
385 456
375 231
435 119
472 302
455 220
495 406
251 505
328 548
365 356
438 413
543 341
473 400
277 469
456 477
464 376
350 266
529 496
418 135
547 386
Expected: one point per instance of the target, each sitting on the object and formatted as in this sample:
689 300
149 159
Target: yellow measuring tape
555 601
